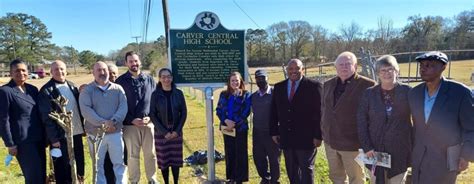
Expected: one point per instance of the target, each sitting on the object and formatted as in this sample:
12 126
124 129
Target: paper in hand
227 132
380 159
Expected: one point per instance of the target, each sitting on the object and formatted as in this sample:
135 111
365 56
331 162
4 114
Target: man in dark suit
295 122
443 117
59 86
20 124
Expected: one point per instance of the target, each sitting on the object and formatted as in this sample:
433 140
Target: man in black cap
443 117
265 151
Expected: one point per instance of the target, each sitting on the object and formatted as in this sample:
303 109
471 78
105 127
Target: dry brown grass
460 71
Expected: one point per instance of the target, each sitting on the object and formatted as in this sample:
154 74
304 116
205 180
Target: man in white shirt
59 86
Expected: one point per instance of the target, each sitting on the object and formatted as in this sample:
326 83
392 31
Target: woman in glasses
168 112
384 123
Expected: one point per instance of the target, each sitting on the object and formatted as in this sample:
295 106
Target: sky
106 25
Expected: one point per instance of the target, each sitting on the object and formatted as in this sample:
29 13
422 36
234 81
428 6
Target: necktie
292 90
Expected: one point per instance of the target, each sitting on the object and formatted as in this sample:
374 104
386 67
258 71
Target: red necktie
292 90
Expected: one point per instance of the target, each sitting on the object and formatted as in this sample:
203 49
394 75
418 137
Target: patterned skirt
169 152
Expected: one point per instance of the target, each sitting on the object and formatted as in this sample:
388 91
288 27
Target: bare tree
279 40
299 34
258 38
384 33
320 41
461 35
423 33
350 33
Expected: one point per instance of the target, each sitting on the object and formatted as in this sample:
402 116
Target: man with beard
138 131
103 103
265 151
339 123
295 122
108 166
59 86
443 118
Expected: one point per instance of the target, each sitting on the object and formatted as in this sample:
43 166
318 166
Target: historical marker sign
205 54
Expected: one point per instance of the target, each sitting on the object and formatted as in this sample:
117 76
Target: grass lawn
195 131
460 71
195 138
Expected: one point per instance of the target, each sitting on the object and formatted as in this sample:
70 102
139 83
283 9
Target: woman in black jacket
168 112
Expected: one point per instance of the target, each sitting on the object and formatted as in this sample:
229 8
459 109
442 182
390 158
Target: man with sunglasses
443 116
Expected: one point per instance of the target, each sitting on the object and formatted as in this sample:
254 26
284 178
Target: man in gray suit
443 116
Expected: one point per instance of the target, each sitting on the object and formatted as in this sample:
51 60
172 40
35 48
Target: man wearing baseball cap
443 117
266 153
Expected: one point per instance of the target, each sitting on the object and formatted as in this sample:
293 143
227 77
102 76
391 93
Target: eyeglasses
166 77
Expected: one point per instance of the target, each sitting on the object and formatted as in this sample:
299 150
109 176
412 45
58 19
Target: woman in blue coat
233 109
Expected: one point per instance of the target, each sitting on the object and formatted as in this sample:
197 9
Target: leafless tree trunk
64 119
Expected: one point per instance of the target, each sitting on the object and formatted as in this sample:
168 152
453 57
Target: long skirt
169 152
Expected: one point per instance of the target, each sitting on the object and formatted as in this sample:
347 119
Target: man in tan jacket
339 121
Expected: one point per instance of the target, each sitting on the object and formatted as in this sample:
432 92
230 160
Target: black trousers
266 154
236 157
32 159
62 168
300 165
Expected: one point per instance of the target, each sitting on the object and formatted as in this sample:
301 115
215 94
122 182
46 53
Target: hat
433 55
261 73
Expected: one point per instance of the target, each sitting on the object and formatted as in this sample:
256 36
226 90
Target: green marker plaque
206 53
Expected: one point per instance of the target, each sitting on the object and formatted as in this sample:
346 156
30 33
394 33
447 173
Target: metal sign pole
210 134
203 56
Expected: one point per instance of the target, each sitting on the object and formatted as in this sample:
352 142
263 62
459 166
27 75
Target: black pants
32 159
266 154
166 174
62 168
236 157
300 165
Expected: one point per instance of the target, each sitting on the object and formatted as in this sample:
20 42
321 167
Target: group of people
132 111
425 127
